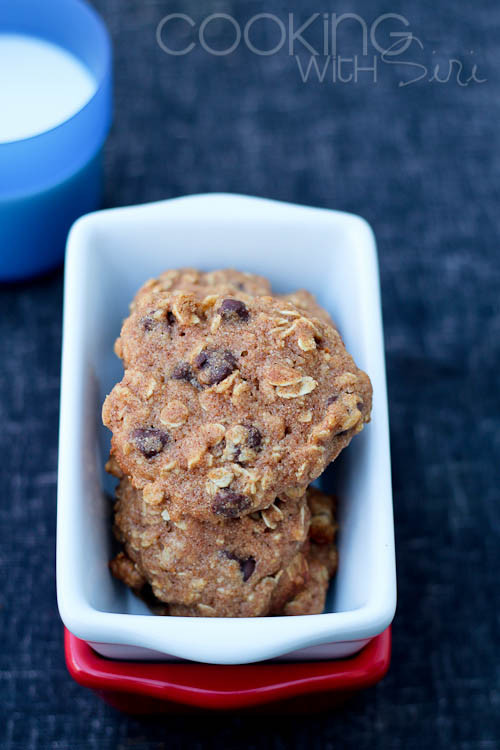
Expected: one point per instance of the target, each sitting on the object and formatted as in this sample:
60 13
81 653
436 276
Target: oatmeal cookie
230 400
228 281
228 569
311 597
303 587
246 567
224 281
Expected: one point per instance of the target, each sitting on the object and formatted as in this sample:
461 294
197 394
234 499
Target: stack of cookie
232 402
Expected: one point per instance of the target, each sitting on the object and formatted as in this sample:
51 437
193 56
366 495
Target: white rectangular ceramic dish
109 255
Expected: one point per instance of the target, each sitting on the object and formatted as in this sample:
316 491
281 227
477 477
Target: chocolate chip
214 365
233 309
331 400
150 442
247 566
254 438
184 371
148 323
201 360
229 504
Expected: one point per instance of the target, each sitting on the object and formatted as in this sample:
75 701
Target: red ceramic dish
143 687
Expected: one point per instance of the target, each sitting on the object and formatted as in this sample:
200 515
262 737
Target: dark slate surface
421 163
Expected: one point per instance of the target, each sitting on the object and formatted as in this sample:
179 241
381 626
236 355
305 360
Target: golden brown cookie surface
230 400
227 568
253 566
225 281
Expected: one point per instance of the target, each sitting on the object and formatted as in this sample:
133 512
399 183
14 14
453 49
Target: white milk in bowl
41 86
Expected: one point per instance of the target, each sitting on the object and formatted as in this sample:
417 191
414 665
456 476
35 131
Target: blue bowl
49 180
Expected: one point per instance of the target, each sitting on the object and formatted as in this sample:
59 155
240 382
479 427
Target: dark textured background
422 164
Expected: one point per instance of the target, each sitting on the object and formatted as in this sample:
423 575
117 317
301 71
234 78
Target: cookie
311 597
228 569
303 587
248 567
225 281
228 281
229 401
